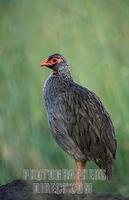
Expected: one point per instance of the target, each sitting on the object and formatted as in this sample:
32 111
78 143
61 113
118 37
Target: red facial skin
51 62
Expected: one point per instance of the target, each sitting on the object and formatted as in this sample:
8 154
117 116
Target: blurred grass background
94 36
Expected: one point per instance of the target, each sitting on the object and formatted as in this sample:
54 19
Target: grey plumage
78 120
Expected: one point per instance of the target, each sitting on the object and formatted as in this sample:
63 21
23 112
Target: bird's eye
54 60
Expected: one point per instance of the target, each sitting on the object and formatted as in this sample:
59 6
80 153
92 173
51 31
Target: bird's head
56 62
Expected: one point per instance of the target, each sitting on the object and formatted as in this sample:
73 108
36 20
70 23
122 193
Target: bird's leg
80 166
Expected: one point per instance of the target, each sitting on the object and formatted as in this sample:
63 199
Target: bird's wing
101 128
85 122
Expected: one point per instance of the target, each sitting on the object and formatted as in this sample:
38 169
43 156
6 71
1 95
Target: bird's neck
63 73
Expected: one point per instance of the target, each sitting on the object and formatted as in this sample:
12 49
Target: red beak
45 63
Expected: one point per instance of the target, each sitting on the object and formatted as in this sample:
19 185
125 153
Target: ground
22 190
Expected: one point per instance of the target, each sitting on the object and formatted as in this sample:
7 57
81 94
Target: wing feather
85 129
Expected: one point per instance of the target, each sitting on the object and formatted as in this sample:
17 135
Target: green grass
93 35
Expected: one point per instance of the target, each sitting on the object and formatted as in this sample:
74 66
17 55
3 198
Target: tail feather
106 166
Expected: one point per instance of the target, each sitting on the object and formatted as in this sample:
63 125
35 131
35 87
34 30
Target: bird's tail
107 166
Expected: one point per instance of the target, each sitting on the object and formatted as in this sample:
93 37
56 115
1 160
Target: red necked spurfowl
78 120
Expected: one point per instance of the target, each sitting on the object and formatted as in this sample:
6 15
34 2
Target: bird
79 122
